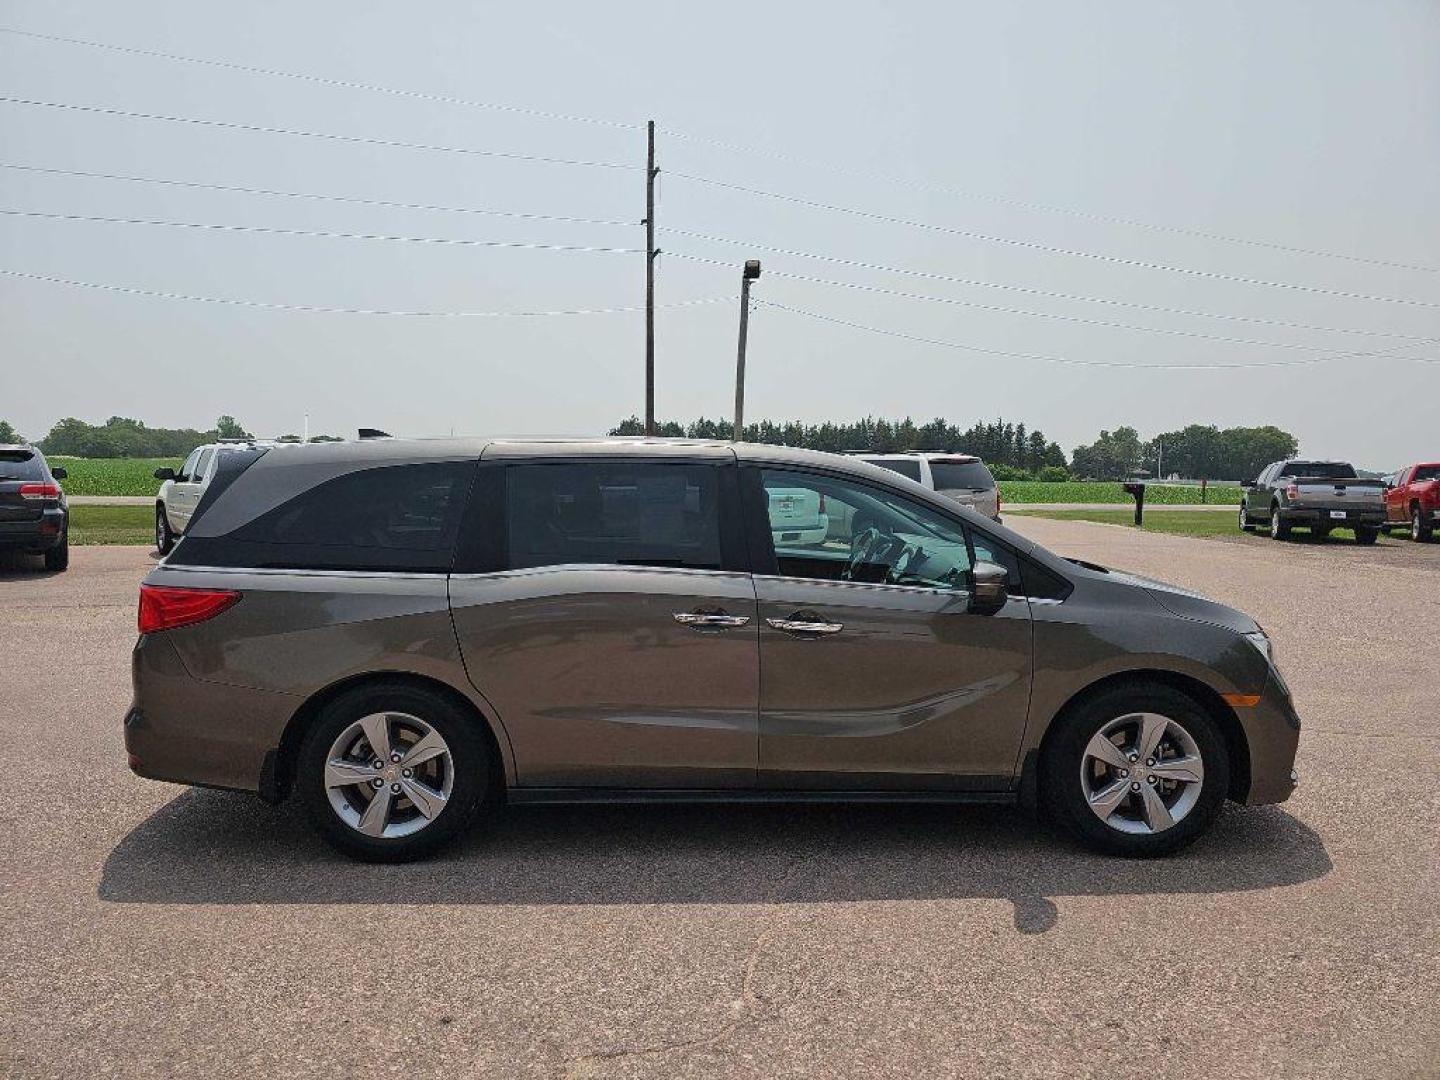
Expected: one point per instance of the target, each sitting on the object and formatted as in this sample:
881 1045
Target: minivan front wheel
1139 770
389 772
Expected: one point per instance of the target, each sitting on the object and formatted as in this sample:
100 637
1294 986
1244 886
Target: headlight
1261 641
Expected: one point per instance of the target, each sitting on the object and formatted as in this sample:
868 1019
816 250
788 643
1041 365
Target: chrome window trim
280 571
525 571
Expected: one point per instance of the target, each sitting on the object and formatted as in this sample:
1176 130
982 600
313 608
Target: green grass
1019 492
112 476
112 525
1177 522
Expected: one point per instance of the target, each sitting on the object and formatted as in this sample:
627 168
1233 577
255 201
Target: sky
1068 143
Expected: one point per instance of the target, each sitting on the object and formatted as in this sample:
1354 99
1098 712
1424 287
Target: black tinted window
1325 470
21 465
950 475
1426 472
411 507
621 513
904 468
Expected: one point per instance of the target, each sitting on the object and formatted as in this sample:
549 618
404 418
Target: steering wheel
861 546
911 555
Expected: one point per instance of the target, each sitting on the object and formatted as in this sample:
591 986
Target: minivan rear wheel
1140 770
390 772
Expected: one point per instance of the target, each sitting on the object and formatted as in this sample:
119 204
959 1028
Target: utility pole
750 273
650 254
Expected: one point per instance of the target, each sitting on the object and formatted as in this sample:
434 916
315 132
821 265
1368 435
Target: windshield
1325 470
909 467
950 475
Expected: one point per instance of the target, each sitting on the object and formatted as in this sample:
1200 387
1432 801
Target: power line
229 125
1065 359
1032 245
321 80
833 168
314 309
1051 294
877 291
327 235
196 185
1312 289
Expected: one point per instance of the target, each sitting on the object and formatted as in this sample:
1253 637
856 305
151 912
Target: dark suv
400 633
34 515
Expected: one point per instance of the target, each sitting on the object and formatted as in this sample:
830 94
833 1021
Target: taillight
39 491
822 502
1293 491
164 608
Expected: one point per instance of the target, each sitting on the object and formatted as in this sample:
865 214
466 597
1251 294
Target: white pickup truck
1317 495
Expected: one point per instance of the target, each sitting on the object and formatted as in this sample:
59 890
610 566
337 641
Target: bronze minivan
405 633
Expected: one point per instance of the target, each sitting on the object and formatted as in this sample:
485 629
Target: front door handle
711 620
806 626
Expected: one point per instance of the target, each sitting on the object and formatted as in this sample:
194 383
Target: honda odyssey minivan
404 634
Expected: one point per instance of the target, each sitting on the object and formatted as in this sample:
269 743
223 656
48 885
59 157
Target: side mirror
59 472
166 473
1247 483
989 588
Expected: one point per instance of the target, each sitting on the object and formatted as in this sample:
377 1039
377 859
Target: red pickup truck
1414 497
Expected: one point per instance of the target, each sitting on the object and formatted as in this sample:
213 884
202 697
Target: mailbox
1136 489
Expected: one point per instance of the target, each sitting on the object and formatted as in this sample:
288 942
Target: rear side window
953 475
21 465
904 468
392 518
620 513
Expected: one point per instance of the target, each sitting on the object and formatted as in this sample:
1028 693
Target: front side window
201 465
188 469
620 513
838 530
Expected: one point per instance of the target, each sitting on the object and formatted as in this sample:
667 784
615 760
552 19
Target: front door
874 674
618 641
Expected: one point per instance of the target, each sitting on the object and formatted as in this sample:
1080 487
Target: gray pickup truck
1318 495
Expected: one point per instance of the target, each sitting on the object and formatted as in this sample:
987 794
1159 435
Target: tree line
123 437
1196 452
1012 450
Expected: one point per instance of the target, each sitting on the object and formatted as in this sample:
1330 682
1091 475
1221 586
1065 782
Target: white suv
962 477
181 489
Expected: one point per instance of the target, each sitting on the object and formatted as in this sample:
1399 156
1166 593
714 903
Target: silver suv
962 477
402 634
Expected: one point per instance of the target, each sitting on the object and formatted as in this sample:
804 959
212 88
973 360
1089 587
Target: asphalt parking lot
152 930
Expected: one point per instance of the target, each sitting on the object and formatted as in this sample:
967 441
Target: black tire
469 759
1064 757
1245 523
1279 527
1420 530
164 538
1366 534
58 557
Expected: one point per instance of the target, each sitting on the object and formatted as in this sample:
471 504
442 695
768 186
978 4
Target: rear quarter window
395 517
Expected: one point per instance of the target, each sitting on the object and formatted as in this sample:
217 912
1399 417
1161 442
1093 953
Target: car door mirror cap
59 473
166 473
989 588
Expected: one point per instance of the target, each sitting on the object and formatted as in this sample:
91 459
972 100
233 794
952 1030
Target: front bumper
36 535
1272 731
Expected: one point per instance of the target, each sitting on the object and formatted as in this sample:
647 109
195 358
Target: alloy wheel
388 775
1142 773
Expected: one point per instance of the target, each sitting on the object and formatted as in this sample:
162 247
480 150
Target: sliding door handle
710 620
